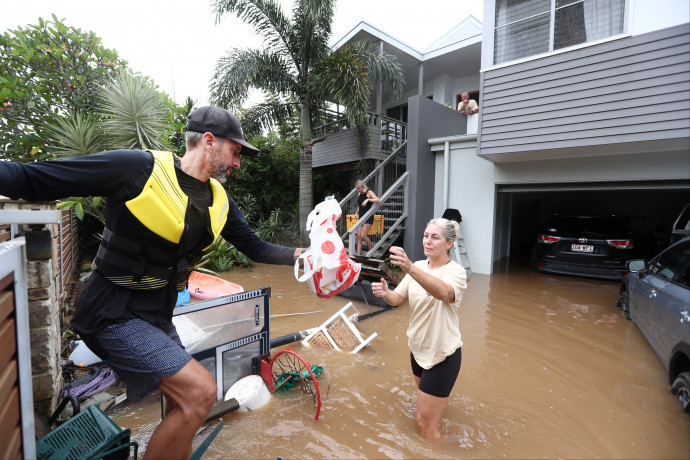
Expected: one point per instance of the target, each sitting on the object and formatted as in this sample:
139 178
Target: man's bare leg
189 394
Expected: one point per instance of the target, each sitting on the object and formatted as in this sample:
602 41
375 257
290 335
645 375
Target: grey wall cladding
599 99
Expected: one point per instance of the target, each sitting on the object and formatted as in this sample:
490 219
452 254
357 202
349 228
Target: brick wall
49 285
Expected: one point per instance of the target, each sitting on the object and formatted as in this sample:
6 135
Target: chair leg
199 451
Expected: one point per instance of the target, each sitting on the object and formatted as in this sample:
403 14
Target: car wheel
681 388
624 303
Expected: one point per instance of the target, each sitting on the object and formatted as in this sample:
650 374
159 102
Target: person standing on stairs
365 199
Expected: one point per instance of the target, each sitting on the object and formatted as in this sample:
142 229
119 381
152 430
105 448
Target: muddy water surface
551 369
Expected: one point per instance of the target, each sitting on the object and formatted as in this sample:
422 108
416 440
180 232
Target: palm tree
131 115
299 71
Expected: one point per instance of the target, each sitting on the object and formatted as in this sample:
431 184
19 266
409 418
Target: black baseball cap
219 122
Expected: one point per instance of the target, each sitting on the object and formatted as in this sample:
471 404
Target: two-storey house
584 104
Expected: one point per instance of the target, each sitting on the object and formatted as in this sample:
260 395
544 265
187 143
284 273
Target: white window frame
552 25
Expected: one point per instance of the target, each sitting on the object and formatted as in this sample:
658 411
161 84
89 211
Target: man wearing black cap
162 214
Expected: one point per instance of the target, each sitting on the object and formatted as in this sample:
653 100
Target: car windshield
594 225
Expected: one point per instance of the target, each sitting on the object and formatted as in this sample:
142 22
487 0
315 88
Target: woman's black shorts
439 380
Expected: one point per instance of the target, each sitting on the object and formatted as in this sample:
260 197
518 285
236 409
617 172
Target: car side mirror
636 266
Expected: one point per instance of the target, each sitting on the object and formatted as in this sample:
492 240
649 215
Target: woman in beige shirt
434 288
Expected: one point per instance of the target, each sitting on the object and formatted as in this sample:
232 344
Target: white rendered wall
471 191
443 88
466 84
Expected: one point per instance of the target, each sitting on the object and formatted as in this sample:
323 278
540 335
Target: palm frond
312 21
344 78
134 113
383 67
239 70
248 206
265 116
267 18
75 136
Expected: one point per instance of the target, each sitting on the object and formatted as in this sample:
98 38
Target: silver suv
656 296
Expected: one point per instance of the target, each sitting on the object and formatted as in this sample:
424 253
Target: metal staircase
390 183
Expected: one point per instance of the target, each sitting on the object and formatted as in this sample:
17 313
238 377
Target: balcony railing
392 132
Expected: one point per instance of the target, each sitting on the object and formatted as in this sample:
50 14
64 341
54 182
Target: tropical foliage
270 210
299 71
176 120
271 176
47 71
278 226
222 257
131 113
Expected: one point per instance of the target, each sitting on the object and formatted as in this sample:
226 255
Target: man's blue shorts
139 353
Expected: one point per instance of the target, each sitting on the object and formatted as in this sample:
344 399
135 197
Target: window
671 262
524 27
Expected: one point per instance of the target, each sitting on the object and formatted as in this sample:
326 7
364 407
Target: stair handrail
352 233
373 173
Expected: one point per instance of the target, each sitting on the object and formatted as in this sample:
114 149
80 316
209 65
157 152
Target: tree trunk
305 186
306 200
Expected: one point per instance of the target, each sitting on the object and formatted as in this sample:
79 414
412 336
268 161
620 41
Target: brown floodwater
551 369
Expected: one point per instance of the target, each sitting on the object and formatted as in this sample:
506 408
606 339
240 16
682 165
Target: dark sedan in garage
656 296
594 246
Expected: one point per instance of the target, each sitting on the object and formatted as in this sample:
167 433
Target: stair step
381 252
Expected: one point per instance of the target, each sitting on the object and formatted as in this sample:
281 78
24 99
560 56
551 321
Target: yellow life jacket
149 258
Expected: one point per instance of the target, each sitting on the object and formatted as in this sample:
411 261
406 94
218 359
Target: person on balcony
365 199
163 214
467 106
434 288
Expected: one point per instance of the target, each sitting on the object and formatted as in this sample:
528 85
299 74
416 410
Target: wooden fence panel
10 420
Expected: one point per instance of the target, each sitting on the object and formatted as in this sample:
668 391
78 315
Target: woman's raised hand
399 258
380 289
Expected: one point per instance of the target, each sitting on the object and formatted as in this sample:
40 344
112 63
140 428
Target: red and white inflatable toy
327 268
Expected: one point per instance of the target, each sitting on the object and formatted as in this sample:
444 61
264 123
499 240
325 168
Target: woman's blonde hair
361 183
451 229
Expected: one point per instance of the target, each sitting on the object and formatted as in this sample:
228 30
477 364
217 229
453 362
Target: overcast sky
178 46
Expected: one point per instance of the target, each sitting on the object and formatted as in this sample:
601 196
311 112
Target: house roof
456 53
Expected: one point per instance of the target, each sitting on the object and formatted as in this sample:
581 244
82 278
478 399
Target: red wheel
288 369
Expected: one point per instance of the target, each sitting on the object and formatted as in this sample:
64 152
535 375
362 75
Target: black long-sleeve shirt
120 176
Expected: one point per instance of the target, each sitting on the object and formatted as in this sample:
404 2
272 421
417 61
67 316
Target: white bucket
250 393
83 356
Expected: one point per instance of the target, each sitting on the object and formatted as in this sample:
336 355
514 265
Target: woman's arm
371 197
392 298
436 287
431 284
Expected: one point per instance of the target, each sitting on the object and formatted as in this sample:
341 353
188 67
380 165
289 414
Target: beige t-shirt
434 329
470 107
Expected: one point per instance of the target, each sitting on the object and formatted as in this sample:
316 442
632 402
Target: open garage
650 208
